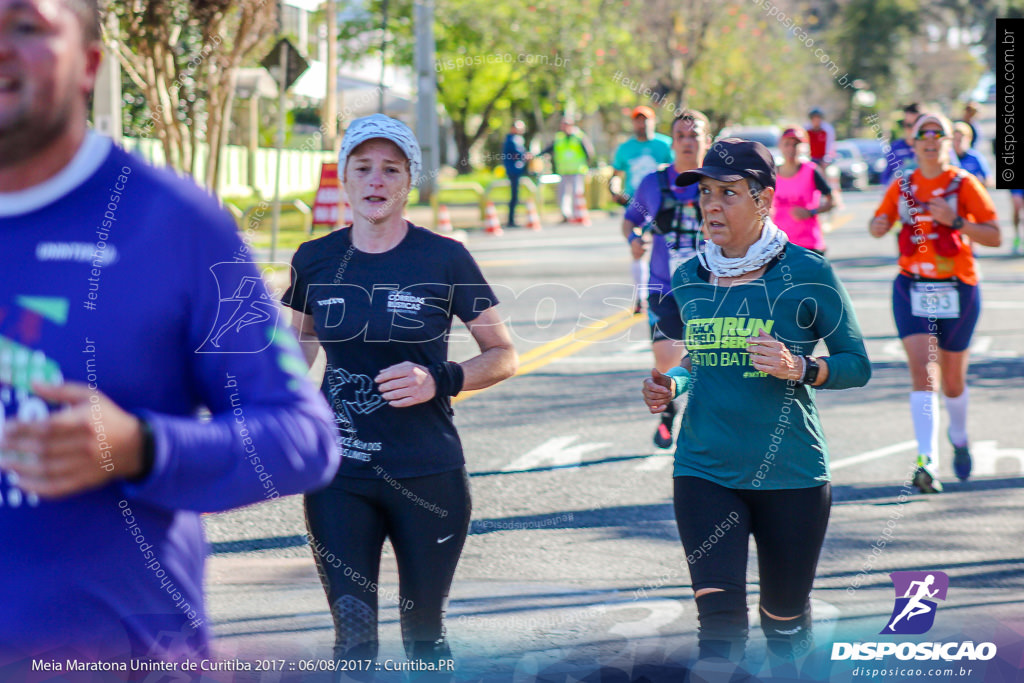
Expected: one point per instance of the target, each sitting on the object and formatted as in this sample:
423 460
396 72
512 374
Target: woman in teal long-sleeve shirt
751 458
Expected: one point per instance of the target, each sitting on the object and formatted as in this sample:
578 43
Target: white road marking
893 349
981 345
654 463
660 613
873 455
986 456
554 452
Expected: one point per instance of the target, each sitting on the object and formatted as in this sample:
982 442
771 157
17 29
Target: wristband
148 454
813 212
448 378
680 380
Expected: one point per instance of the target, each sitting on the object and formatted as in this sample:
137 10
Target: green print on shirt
724 333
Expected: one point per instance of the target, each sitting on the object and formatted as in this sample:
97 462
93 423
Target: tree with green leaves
539 56
182 55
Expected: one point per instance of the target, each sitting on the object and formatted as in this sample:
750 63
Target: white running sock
639 270
957 409
924 409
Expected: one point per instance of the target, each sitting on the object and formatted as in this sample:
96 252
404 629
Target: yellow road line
579 333
578 345
567 345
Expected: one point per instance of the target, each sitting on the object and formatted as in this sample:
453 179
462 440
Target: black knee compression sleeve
788 638
723 624
424 636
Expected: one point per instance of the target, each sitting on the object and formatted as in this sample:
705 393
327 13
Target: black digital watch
811 368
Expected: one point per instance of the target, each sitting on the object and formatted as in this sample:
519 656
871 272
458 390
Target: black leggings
427 520
715 524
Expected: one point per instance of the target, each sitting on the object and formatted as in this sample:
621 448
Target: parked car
873 153
853 171
766 135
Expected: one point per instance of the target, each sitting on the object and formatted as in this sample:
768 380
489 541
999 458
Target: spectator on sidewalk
514 157
571 155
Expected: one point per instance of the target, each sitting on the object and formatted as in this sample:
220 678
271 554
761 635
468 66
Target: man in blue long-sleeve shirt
514 156
128 303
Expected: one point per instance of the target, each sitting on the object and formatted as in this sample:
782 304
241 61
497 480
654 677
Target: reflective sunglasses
929 134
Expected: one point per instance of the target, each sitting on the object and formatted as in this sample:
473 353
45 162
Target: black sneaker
961 461
663 434
924 480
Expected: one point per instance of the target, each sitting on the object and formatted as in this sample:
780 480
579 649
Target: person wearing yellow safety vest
571 153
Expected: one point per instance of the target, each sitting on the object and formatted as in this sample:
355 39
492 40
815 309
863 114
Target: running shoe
663 435
1017 251
638 306
961 461
924 480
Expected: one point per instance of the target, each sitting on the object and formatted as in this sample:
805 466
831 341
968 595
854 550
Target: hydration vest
907 215
947 241
676 218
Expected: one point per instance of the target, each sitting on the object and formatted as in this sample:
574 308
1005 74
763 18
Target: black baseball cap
732 159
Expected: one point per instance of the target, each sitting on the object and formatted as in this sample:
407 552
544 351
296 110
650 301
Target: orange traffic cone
579 209
492 226
444 220
533 222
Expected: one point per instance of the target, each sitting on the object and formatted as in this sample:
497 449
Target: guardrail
291 205
443 187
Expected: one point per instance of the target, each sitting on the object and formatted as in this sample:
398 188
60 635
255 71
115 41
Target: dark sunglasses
929 134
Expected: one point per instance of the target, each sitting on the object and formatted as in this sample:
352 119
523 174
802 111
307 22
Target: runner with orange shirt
936 299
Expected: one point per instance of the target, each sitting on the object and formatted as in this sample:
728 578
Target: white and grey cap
381 126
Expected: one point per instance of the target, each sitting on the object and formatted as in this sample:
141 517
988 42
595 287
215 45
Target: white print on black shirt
350 395
403 301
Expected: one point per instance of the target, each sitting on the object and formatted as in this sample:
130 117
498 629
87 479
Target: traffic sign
296 63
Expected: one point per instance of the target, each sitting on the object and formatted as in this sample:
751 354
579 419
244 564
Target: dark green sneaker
924 480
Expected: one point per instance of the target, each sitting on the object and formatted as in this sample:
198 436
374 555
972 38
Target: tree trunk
463 143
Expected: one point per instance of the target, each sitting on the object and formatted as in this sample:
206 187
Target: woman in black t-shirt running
379 296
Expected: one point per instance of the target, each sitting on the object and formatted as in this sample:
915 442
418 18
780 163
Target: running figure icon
915 606
917 596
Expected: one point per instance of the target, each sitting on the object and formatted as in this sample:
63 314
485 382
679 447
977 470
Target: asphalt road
574 570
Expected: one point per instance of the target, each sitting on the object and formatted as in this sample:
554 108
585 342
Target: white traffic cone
533 220
444 220
492 225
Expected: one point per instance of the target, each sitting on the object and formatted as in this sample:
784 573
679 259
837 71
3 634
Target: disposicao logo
913 614
916 592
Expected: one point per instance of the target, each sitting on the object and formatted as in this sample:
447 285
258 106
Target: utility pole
426 97
330 110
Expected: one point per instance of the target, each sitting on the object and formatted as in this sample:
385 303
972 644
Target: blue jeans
514 200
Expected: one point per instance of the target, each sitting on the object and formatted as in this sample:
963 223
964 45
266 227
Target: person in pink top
801 194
